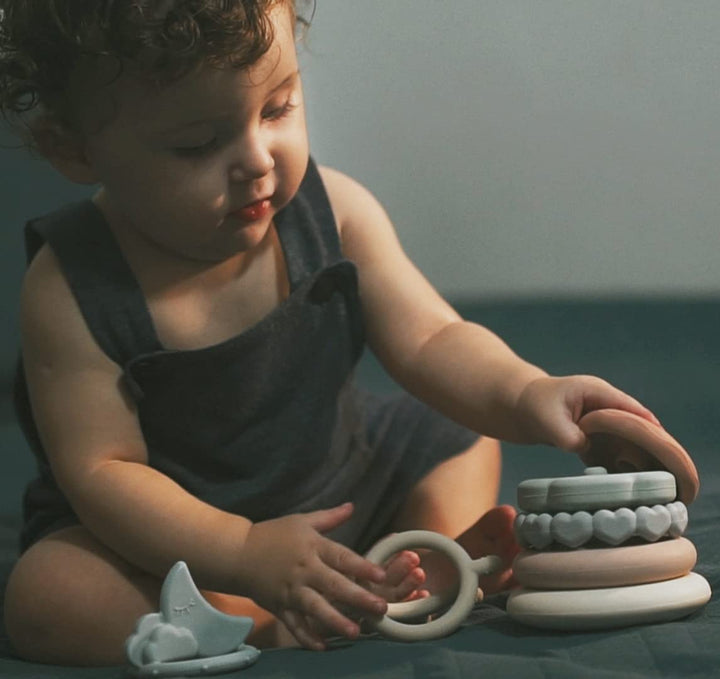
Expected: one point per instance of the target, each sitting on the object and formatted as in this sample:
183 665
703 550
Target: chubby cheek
290 170
162 191
191 192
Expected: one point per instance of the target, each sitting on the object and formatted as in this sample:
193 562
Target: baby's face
176 163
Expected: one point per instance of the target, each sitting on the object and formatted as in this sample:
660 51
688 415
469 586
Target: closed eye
198 149
271 115
279 112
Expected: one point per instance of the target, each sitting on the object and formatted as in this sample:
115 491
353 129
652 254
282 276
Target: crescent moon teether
188 637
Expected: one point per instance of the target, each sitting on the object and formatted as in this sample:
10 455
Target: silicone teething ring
467 594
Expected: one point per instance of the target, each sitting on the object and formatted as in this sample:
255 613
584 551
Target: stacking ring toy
596 489
605 567
613 527
465 598
623 442
606 607
570 583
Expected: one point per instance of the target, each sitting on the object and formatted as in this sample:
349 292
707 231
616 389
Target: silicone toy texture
607 607
605 567
630 583
613 527
596 489
464 599
188 637
644 497
623 442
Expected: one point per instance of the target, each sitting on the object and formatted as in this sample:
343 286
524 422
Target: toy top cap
623 442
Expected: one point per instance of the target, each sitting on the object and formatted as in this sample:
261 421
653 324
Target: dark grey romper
266 423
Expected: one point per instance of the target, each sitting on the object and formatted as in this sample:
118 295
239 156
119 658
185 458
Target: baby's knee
28 617
70 606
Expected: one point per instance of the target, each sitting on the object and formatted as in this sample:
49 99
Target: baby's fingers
299 627
343 560
349 595
320 613
403 576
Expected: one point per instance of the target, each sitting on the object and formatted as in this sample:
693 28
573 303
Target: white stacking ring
587 609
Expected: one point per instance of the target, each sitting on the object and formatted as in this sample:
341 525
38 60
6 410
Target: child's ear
63 148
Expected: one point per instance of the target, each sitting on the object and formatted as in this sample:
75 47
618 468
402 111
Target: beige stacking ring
605 567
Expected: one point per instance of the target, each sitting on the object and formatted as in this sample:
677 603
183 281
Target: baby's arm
95 446
460 368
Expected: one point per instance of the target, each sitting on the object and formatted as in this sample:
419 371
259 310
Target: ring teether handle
464 599
406 610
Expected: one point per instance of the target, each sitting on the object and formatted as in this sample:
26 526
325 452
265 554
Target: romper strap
108 294
307 230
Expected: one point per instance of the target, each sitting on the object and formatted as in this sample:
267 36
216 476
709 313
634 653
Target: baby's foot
404 578
493 533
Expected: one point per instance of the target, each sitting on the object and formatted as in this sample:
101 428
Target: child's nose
252 161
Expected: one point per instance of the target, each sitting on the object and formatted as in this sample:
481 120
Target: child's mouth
253 211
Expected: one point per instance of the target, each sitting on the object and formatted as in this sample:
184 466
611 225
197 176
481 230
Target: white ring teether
467 594
586 609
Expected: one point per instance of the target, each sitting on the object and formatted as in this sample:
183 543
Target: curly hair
42 42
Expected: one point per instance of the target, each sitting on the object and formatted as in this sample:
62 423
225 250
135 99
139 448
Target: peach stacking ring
623 442
605 567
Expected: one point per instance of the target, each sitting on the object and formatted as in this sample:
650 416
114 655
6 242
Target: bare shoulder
339 189
49 315
348 197
357 211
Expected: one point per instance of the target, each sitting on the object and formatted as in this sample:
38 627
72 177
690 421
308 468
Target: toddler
189 336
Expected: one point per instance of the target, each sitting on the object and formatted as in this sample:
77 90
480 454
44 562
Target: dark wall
29 187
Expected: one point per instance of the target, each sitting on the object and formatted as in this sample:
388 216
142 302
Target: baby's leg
458 499
72 601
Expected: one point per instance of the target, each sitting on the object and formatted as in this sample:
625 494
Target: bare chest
209 309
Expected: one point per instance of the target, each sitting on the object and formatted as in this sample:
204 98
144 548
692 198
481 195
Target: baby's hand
288 567
550 408
403 582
